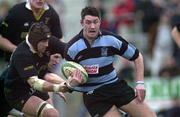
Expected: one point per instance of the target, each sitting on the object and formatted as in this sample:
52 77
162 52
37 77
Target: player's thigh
32 104
138 109
36 106
113 112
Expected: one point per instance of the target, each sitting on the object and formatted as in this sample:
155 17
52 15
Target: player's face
42 45
91 25
37 4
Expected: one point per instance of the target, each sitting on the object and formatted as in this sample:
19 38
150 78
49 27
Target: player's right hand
140 92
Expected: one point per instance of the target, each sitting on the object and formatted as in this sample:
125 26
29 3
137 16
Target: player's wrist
56 88
140 82
69 87
62 87
59 87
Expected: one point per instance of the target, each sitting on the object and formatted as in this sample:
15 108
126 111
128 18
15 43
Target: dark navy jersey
98 57
19 19
24 64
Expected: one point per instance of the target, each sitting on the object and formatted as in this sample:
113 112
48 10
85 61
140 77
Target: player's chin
92 36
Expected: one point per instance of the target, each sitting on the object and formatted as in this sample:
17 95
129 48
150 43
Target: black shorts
19 103
103 98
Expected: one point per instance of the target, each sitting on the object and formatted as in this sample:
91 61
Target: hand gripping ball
68 67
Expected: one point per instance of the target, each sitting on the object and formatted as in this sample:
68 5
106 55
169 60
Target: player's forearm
6 45
44 86
53 78
50 87
139 67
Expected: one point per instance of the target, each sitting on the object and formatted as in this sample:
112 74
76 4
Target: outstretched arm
140 89
45 86
139 66
53 78
54 83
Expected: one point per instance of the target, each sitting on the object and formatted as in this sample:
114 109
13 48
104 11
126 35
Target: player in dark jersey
19 19
104 92
28 78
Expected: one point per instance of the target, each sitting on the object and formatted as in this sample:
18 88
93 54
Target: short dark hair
90 10
38 32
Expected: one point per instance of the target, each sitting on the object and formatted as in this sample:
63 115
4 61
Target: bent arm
6 45
140 89
139 67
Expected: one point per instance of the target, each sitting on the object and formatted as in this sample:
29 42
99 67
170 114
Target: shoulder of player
52 10
74 40
108 33
23 49
17 9
113 35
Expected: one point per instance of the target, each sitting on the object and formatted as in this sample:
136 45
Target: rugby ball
68 67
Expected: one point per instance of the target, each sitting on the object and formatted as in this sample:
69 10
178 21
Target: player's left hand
140 92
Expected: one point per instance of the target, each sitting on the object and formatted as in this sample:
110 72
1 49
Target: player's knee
47 110
50 113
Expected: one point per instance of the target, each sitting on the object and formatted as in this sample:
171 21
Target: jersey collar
28 6
30 46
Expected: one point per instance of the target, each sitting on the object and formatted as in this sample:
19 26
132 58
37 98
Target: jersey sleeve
55 24
68 52
126 49
4 26
7 24
131 52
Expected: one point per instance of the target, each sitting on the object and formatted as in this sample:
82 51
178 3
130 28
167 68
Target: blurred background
145 23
